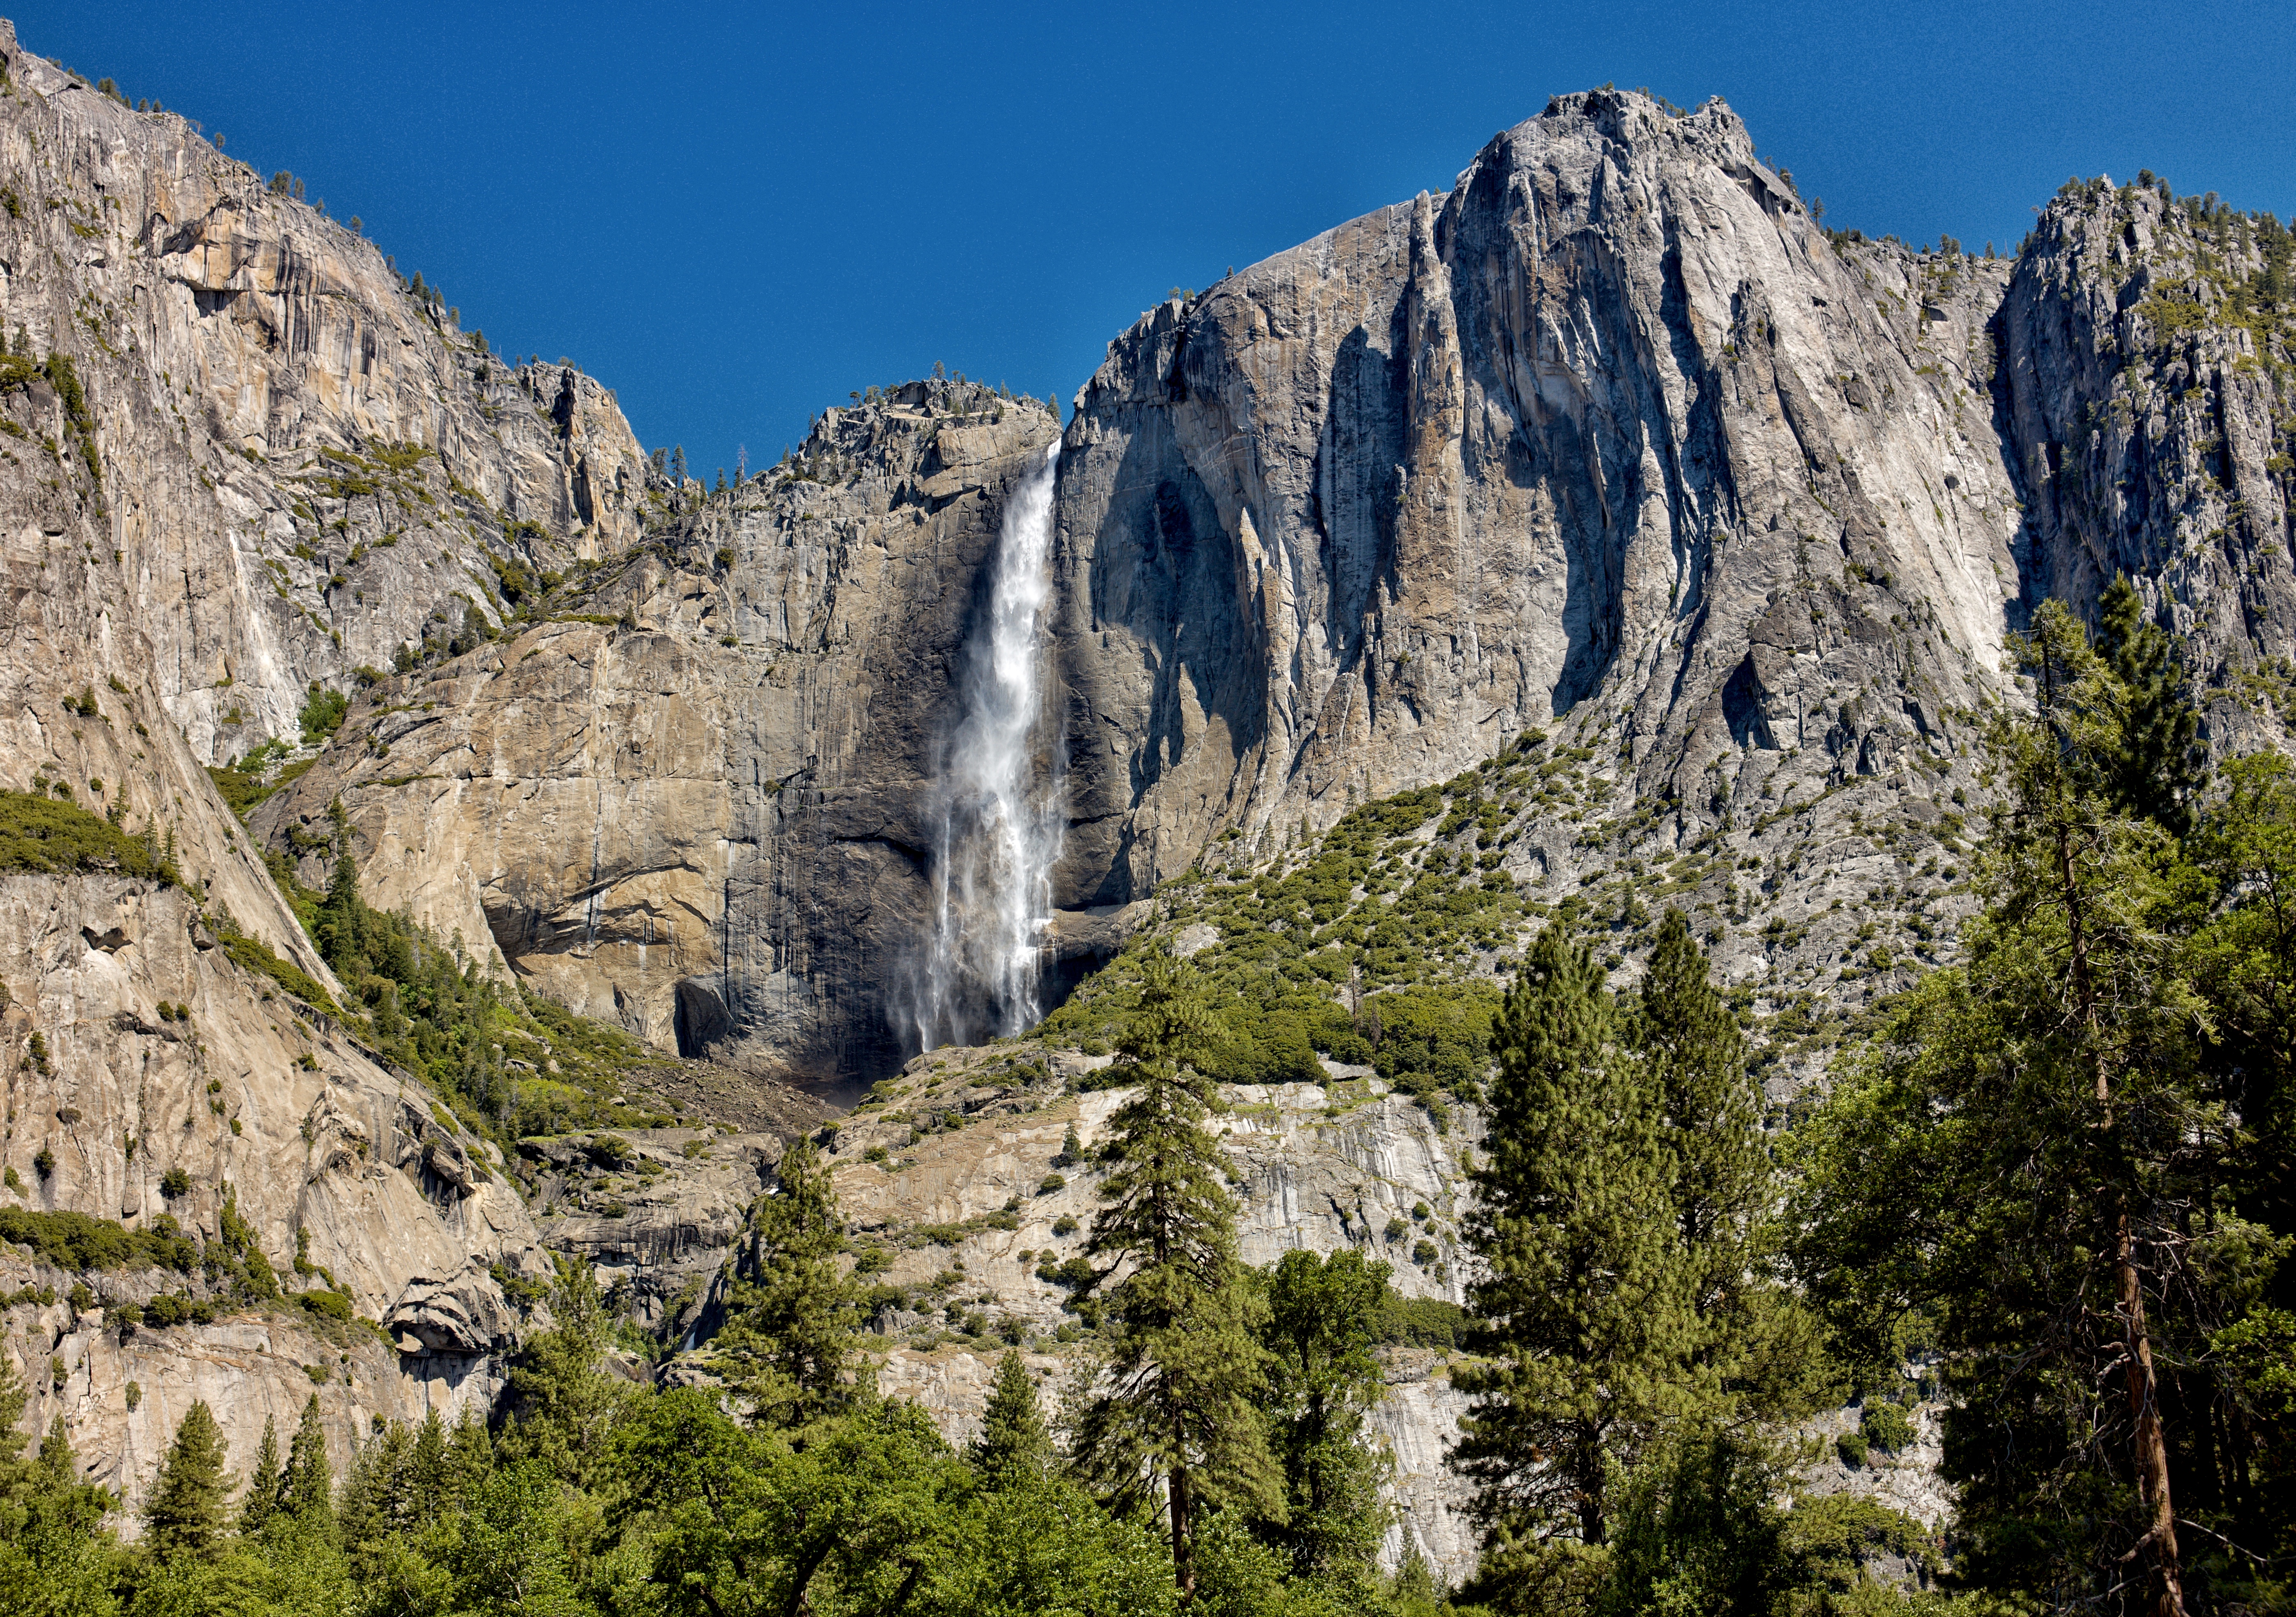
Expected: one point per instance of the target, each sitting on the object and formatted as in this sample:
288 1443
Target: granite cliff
1666 540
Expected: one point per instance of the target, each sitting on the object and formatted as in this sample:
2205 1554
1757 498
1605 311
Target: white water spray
1001 820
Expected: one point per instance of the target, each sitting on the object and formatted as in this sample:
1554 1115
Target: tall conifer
262 1497
1180 1403
184 1513
788 1343
1013 1447
306 1491
1588 1307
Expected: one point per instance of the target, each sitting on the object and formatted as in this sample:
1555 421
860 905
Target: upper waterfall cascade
1000 822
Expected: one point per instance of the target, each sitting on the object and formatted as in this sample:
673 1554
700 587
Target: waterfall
1000 810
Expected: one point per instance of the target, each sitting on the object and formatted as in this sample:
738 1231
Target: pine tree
1323 1380
2024 1155
2154 766
427 1483
1180 1405
263 1484
788 1342
567 1401
1013 1448
1711 1111
185 1514
1588 1307
306 1491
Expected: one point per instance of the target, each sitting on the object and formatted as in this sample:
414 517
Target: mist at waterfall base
982 971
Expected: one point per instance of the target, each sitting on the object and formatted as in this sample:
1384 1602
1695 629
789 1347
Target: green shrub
1851 1447
1422 1322
1396 1229
45 834
1050 1183
254 955
324 712
325 1305
177 1307
174 1183
1886 1426
1065 1226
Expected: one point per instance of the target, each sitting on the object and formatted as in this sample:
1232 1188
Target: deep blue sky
734 214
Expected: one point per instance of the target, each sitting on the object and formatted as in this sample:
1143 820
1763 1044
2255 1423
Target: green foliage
322 714
1636 1330
185 1514
54 1553
78 1242
2062 1165
1368 915
45 834
1014 1449
787 1346
1178 1404
1323 1380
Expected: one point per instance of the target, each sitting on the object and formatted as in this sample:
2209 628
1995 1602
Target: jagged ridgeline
448 853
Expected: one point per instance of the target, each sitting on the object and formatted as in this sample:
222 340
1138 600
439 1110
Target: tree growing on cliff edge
1179 1406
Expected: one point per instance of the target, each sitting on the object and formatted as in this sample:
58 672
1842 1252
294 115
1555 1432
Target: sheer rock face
208 338
1614 422
711 821
248 1369
655 1217
326 1156
257 380
2143 396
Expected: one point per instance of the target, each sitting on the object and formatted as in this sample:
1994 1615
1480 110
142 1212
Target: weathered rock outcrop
708 814
349 1176
2146 358
306 465
1614 421
655 1212
239 457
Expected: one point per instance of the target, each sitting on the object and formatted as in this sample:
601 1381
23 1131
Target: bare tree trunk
2152 1449
1184 1550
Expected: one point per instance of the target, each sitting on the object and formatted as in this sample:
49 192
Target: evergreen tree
788 1343
567 1402
184 1515
427 1474
2027 1154
1180 1399
1323 1380
263 1484
56 1556
1588 1307
1013 1447
1759 1352
2151 763
307 1490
